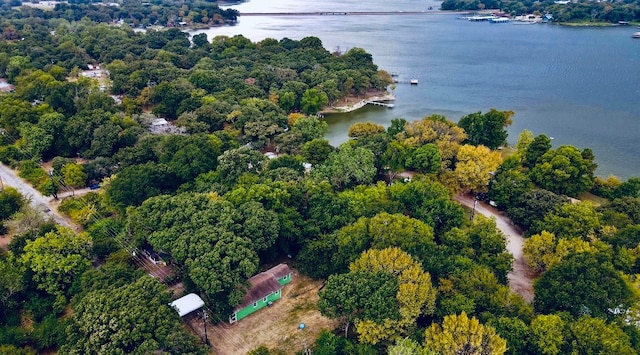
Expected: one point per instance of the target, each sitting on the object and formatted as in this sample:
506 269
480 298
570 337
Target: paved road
521 277
37 201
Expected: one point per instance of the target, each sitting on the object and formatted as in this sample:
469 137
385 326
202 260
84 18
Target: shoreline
353 106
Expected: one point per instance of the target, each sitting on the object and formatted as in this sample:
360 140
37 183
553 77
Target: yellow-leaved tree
435 129
364 129
460 334
475 167
542 251
415 295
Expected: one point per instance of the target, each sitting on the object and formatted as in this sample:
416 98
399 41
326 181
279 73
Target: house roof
187 304
263 284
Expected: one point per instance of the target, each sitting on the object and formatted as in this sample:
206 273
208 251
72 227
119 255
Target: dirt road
41 203
521 277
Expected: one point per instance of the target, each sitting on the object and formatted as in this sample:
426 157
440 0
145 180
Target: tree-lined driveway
35 198
521 277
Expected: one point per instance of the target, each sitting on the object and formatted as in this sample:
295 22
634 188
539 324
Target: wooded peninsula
190 165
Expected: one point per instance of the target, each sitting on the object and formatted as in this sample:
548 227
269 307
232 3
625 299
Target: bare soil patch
276 327
4 242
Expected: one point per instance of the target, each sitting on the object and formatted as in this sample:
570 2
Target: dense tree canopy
459 334
582 285
222 190
131 319
488 129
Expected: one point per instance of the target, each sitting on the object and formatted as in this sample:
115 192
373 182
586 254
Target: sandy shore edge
350 107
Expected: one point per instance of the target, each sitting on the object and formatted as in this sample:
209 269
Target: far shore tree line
582 11
406 270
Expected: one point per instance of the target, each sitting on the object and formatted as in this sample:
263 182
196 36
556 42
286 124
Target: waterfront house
265 288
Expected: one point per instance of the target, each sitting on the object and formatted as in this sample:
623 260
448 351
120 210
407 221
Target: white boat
636 35
414 82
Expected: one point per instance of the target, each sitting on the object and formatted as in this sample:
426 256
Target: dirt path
36 200
521 277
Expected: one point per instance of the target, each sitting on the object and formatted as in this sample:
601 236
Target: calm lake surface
580 86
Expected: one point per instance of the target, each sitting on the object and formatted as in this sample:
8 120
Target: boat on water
414 82
636 35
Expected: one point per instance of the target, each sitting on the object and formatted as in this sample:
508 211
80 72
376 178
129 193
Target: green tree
134 184
259 225
563 171
547 334
629 188
406 346
571 220
347 167
218 271
382 231
396 156
524 140
12 281
459 334
74 175
35 140
429 202
425 159
593 336
415 296
540 145
621 212
581 285
539 251
130 319
488 129
313 101
397 126
484 242
310 128
57 258
508 186
316 151
533 205
10 202
235 162
360 295
515 332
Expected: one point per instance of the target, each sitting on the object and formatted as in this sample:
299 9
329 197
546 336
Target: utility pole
473 211
53 184
205 316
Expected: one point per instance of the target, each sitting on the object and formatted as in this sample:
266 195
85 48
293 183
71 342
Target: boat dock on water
412 81
379 103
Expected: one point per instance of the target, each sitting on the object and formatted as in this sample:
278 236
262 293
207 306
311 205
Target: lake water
580 86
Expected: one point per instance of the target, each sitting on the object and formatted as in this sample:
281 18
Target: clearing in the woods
277 327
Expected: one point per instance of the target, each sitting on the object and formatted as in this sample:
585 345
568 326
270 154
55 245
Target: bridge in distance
350 13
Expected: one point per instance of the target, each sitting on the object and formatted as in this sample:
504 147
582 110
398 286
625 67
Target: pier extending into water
379 103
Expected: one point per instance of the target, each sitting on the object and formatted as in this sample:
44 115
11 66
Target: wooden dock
412 81
379 103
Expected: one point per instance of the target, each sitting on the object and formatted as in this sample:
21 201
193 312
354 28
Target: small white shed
187 304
